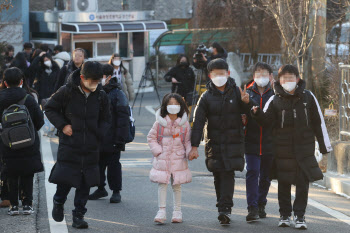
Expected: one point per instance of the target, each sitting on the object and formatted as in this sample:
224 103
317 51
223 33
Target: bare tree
293 19
250 24
5 5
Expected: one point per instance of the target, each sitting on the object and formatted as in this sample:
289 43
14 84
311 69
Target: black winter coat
24 161
258 140
64 73
224 135
118 132
186 78
296 120
44 83
78 155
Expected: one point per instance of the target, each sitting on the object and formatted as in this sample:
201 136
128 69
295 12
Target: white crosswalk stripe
142 162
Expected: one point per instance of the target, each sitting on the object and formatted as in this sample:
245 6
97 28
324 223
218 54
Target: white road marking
55 227
142 162
150 109
336 214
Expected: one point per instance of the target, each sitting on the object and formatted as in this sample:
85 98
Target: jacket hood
164 121
11 96
63 56
113 84
298 92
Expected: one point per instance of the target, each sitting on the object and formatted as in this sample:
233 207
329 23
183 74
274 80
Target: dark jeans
26 183
114 171
301 196
257 179
80 198
224 183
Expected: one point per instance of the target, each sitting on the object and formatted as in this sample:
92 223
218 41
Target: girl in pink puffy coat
170 144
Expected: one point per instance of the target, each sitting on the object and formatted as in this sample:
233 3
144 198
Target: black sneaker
224 218
28 210
300 223
262 213
58 211
13 211
115 198
253 214
98 194
78 221
284 221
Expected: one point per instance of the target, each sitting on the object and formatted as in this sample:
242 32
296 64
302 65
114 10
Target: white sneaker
177 217
284 221
299 223
160 217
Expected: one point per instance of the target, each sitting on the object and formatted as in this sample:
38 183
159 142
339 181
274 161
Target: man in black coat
114 141
258 145
21 164
182 77
78 57
80 111
221 107
296 118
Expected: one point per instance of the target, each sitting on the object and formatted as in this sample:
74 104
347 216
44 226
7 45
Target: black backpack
17 127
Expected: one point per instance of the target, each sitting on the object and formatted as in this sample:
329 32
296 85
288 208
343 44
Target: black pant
114 171
224 186
301 196
26 187
80 198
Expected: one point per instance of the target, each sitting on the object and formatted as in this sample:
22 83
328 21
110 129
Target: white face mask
173 109
48 64
289 86
210 50
103 81
117 62
262 81
219 81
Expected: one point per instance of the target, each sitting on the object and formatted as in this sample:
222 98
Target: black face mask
183 64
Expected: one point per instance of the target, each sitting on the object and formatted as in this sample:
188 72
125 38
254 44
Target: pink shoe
177 217
160 217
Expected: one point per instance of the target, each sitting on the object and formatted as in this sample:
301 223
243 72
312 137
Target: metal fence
344 103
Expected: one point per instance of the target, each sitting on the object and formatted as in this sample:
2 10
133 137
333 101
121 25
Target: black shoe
253 214
224 218
28 210
58 211
78 221
115 198
13 211
262 213
98 194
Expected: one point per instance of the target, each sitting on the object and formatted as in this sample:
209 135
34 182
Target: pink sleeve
153 144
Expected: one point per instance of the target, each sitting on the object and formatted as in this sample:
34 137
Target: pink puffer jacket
170 157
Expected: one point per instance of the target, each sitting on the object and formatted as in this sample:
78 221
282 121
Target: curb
340 184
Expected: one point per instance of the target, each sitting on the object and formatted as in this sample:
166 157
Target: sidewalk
21 223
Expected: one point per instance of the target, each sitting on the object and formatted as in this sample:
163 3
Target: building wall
14 24
41 5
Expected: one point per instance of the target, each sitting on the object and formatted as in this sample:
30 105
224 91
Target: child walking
170 144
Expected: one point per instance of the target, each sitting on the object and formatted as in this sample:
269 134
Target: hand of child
67 130
244 95
244 119
255 109
173 80
193 154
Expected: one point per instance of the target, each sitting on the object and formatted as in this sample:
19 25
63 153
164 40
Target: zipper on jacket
295 113
307 118
283 113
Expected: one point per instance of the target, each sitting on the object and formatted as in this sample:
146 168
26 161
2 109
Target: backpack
132 129
160 134
17 127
